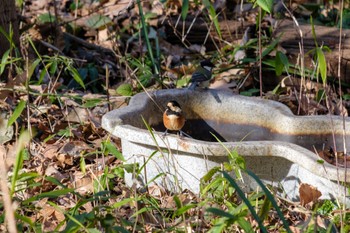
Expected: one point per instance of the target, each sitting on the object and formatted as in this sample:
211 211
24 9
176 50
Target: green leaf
65 132
184 209
17 168
97 21
250 92
4 61
125 201
125 89
76 76
90 103
82 165
177 201
221 213
23 140
266 5
27 176
46 18
55 181
113 150
182 82
83 72
327 207
322 65
320 161
32 67
313 31
18 111
213 16
93 73
93 230
209 175
271 199
75 5
266 207
282 63
53 67
216 184
50 194
24 219
320 95
270 47
246 201
184 9
246 226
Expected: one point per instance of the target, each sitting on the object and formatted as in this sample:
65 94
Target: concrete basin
277 146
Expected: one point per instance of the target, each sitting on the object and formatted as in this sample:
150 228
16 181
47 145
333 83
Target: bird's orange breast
173 122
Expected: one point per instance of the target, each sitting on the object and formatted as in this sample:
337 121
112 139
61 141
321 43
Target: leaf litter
66 125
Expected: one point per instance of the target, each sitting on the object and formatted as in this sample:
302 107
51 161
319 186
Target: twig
260 52
341 101
301 47
87 44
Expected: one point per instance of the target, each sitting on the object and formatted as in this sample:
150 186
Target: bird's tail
192 86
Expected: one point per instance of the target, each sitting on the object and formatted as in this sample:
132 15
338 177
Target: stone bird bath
277 145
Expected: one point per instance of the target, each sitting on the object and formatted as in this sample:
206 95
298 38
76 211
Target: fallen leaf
308 194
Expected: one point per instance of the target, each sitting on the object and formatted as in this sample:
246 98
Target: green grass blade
246 225
272 200
76 76
4 61
184 9
145 34
313 30
245 200
221 213
18 111
184 209
50 194
213 16
23 140
124 202
322 65
264 211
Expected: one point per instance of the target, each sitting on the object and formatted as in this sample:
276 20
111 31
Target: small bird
173 118
201 77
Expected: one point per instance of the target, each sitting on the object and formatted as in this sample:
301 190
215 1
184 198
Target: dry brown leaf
77 114
340 109
46 211
64 159
294 229
168 202
52 218
308 194
320 222
88 207
116 7
75 148
51 151
52 171
156 191
223 85
84 185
